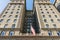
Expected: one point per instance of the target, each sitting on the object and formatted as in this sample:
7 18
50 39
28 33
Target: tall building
57 4
41 23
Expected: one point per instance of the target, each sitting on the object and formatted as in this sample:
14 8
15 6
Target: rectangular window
6 25
6 12
56 16
3 33
11 33
1 20
42 12
10 15
17 12
16 16
11 12
43 16
49 16
58 20
47 25
49 33
52 20
13 26
58 33
8 20
19 6
45 20
4 16
54 25
15 20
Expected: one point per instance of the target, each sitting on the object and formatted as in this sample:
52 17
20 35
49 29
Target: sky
29 5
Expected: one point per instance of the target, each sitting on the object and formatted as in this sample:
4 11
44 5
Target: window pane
16 16
15 20
58 33
6 25
10 16
52 20
58 20
45 20
8 20
56 16
1 20
11 33
54 25
3 33
4 16
47 25
43 16
13 26
49 33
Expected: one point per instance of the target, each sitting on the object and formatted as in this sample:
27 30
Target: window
6 25
28 27
3 33
49 33
42 0
45 9
45 20
48 12
12 0
42 12
29 21
28 30
7 9
56 16
49 6
8 20
15 20
4 16
19 6
12 9
49 16
16 16
58 20
9 6
44 6
58 33
40 9
14 6
47 25
53 12
54 25
51 9
43 16
10 16
40 6
6 12
28 24
11 12
18 9
13 26
17 1
11 33
52 20
17 12
1 20
45 1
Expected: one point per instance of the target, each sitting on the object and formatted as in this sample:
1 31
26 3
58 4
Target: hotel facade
16 21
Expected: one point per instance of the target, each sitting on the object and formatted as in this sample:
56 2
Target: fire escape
30 20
